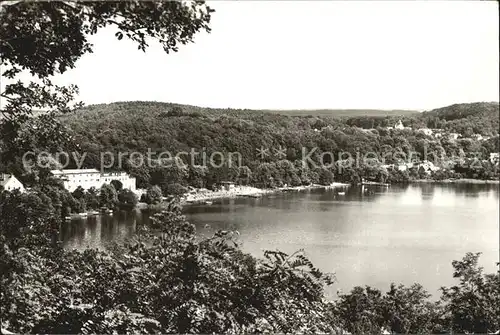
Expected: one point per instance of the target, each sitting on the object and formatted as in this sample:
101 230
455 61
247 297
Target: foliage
474 304
108 197
171 284
118 185
139 126
127 198
47 38
168 280
153 195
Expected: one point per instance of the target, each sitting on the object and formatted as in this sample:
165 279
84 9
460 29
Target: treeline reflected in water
97 231
368 236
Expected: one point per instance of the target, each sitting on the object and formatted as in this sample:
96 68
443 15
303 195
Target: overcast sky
310 54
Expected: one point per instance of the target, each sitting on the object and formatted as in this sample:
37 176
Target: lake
369 236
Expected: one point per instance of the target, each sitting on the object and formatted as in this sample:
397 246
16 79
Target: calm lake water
372 236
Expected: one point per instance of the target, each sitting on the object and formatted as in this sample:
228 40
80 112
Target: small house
426 131
494 158
399 125
10 183
477 137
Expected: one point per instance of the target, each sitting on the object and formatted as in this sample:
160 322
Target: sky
309 55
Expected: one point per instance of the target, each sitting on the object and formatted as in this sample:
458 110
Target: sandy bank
201 195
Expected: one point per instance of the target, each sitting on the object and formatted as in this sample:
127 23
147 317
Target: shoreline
455 181
202 195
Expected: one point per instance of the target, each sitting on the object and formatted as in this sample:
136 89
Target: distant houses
399 125
10 183
439 133
494 158
426 166
426 131
87 178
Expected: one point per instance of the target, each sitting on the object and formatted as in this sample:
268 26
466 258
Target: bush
153 195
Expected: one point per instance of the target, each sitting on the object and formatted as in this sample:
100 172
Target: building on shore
9 182
87 178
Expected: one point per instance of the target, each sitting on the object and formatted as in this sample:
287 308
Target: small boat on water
93 213
83 214
208 202
67 218
341 193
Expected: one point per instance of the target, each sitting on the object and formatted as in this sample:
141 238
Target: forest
120 129
166 279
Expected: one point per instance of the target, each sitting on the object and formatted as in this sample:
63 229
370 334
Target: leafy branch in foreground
166 279
47 38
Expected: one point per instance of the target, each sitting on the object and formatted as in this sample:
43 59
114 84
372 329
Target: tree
127 198
47 38
265 175
28 219
473 304
361 311
108 196
325 176
153 195
175 111
91 198
118 185
410 312
174 283
79 193
196 176
169 172
244 175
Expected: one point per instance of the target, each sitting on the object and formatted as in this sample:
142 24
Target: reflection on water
369 236
96 231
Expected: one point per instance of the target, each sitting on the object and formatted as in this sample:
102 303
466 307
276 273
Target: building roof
73 171
5 178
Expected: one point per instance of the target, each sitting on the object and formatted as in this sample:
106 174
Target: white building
10 183
124 178
399 125
87 178
426 131
494 157
429 167
477 137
